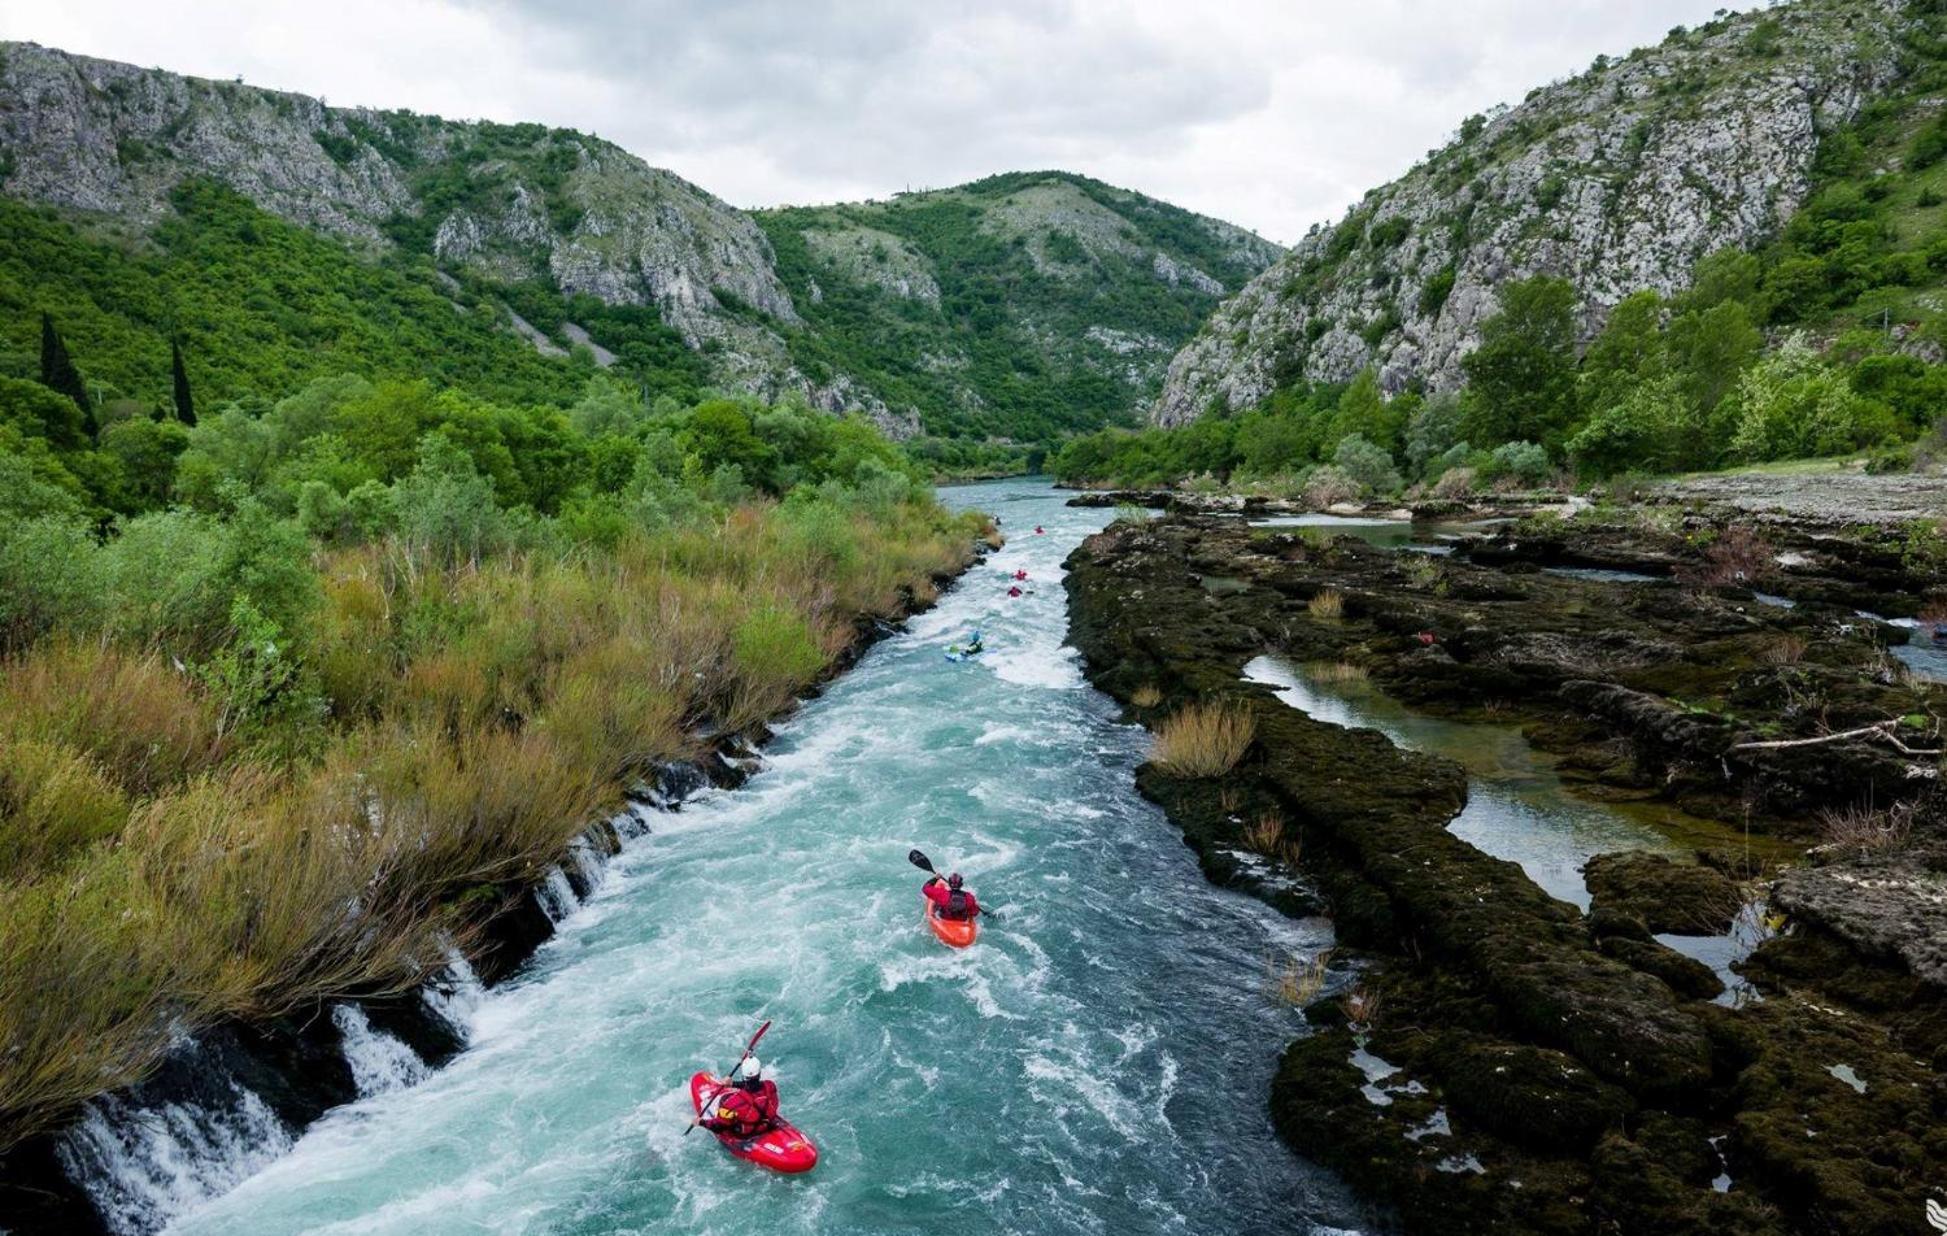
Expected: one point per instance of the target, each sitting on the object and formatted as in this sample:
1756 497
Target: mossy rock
1662 895
1686 976
1533 1096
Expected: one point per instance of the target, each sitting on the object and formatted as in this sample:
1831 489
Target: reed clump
1337 673
1203 740
1296 981
1328 605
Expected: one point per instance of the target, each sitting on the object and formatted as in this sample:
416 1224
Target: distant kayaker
747 1107
1037 530
954 901
1020 575
1015 591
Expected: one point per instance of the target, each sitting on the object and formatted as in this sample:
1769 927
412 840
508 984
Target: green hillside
261 306
1021 306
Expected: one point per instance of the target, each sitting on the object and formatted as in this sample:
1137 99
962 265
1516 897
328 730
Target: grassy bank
300 731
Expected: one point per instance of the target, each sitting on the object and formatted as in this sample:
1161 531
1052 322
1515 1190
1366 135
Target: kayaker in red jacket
954 902
747 1107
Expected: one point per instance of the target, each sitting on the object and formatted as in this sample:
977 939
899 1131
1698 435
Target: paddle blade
752 1045
920 861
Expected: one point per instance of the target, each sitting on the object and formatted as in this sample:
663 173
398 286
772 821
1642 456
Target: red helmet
954 880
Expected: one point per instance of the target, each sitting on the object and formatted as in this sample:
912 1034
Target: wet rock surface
1498 1061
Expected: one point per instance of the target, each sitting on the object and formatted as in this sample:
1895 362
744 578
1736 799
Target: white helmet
752 1069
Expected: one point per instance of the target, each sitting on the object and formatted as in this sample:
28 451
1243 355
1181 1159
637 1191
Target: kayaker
954 901
747 1107
1020 576
1015 591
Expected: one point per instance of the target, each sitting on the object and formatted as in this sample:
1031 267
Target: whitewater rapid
1098 1063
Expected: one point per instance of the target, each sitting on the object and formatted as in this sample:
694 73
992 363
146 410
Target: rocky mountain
1618 179
1022 305
1012 308
511 203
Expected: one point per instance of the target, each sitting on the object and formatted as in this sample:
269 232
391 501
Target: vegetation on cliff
1817 334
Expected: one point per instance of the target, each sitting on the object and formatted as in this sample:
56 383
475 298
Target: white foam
142 1166
379 1062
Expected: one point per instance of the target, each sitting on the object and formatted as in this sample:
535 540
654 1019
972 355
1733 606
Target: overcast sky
1275 114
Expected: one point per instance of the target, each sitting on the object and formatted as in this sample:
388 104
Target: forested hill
1022 305
1620 179
280 239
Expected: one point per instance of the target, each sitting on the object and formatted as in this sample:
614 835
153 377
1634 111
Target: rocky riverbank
232 1098
1489 1058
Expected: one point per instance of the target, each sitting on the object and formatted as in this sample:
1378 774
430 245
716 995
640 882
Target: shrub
1329 485
1434 294
446 509
1203 740
53 801
1865 827
1297 981
1328 604
50 578
1454 483
1525 462
1737 556
1367 464
1146 696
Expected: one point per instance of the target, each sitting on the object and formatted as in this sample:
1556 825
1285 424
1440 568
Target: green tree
179 380
1792 405
446 509
38 411
1521 379
1630 350
147 451
59 374
1709 348
1364 409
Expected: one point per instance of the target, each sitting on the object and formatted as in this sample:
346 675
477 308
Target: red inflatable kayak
783 1149
954 932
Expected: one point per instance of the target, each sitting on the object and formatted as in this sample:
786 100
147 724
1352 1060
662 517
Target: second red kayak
783 1149
954 932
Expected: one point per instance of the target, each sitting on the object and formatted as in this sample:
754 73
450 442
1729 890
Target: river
1099 1062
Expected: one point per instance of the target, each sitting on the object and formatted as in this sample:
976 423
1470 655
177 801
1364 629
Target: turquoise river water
1098 1063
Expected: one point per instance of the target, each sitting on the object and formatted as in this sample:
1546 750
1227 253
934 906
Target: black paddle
748 1048
919 860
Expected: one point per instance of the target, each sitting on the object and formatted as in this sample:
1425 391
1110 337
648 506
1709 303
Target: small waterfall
142 1165
455 993
556 895
379 1062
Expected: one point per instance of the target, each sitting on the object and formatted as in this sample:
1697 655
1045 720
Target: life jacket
745 1113
956 903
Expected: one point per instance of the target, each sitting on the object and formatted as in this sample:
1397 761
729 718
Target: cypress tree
58 372
185 408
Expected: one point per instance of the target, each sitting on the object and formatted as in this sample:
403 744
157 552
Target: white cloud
1272 113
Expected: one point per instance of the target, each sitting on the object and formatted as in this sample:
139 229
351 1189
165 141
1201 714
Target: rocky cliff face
507 202
1619 179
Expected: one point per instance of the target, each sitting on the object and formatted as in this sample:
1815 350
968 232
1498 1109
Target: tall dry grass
1296 981
1328 604
477 714
1203 740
